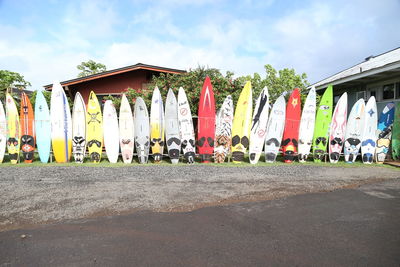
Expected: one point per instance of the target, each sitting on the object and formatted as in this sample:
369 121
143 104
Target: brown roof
138 66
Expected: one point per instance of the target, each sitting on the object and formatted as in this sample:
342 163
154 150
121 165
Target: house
377 76
113 82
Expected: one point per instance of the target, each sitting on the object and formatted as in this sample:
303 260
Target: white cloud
327 37
319 39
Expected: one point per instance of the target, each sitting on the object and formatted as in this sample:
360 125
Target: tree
10 80
90 67
192 81
277 82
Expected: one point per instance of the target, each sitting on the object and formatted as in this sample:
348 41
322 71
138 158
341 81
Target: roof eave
321 84
115 72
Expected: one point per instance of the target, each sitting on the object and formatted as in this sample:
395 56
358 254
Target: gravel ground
33 195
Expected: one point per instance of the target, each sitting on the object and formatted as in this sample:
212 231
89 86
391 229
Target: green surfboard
396 134
322 123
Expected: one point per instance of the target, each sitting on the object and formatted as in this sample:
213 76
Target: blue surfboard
384 132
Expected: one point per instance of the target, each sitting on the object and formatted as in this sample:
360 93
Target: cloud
327 37
319 38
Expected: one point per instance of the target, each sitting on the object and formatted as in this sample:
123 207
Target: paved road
347 227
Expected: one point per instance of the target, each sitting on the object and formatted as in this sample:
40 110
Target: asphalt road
347 227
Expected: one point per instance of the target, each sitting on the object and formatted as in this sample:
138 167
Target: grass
166 162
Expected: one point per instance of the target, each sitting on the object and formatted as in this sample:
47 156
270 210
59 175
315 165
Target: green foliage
277 82
192 81
10 80
90 67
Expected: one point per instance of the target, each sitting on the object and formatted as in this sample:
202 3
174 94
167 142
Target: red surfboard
206 122
27 129
292 123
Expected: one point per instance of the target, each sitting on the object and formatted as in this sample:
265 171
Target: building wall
366 90
113 85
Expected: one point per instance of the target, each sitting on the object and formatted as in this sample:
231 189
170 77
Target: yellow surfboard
157 125
61 126
242 124
13 129
94 131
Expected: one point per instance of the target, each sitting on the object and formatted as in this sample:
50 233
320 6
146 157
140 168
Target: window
373 92
361 94
336 99
388 91
398 90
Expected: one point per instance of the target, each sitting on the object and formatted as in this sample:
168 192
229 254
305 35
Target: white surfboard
307 124
79 129
157 125
3 132
42 127
368 143
111 131
338 129
223 130
259 126
275 127
61 124
354 131
142 130
186 127
172 127
126 130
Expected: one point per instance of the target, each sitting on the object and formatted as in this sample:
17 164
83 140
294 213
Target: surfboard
186 127
157 125
94 128
338 129
322 123
307 124
384 132
368 144
111 132
172 127
354 131
142 130
291 132
206 122
259 126
396 134
79 128
27 129
242 124
3 132
61 126
42 127
13 129
223 130
275 127
126 130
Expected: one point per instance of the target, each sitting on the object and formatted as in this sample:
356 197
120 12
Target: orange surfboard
27 129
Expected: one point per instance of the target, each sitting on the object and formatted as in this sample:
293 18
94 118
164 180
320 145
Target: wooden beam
66 88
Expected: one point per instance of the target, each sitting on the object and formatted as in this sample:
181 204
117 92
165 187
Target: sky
45 40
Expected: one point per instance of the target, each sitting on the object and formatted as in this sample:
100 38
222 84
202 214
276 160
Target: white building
377 76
